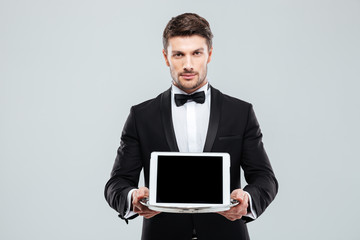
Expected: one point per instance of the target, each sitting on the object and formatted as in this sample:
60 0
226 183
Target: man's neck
190 91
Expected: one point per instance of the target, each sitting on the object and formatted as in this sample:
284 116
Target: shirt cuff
129 213
252 213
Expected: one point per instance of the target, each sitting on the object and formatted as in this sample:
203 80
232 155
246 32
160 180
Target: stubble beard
178 83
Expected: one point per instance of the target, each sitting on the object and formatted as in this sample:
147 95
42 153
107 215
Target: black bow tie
181 99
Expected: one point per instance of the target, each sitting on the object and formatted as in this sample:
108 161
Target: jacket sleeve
262 184
126 169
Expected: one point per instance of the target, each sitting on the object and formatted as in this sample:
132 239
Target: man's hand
239 210
140 209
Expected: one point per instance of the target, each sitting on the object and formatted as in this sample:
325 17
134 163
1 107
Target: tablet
189 182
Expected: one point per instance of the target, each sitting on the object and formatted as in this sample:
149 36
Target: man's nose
188 66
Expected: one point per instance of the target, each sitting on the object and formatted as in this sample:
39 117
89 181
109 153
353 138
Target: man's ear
210 54
166 59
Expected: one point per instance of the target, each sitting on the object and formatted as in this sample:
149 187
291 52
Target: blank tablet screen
190 179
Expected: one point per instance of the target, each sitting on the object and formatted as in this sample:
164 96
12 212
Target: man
208 122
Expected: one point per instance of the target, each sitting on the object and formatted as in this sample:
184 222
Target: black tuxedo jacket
233 128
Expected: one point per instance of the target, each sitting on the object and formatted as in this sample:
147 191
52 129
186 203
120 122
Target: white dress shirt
190 122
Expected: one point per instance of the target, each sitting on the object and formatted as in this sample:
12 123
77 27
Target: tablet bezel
179 207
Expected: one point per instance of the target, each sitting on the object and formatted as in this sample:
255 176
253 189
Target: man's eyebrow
199 50
176 51
196 50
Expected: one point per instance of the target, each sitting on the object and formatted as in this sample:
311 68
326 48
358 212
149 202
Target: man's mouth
188 76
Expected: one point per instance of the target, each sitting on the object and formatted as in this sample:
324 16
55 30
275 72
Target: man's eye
178 55
197 53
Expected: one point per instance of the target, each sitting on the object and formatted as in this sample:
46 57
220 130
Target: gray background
70 70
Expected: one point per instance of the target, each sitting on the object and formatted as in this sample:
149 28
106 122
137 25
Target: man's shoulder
235 100
230 100
151 103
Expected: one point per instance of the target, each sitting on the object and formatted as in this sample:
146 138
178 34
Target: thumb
238 194
142 192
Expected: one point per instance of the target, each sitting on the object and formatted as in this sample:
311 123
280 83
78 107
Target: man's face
187 58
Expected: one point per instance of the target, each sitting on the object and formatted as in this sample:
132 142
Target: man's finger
237 194
240 196
139 194
142 192
137 206
147 213
134 196
151 213
245 202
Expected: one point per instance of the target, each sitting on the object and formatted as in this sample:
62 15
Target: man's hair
187 24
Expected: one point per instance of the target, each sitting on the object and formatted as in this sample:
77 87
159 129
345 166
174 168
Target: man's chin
189 88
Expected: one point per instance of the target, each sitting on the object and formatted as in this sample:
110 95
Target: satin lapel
215 108
165 108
